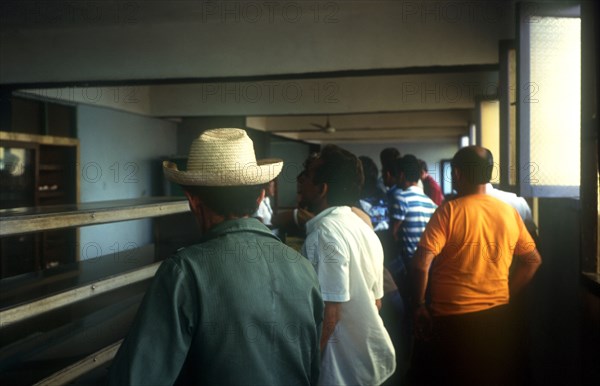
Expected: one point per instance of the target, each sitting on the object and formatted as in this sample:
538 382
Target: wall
553 307
134 99
293 154
119 159
407 92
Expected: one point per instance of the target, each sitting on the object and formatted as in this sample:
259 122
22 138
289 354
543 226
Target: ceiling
370 127
394 71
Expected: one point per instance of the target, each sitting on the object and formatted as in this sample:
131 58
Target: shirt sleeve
331 263
525 244
158 341
435 236
398 208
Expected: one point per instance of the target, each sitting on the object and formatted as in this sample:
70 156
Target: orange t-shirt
474 239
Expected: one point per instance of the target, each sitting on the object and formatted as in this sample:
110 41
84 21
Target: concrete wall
120 154
293 154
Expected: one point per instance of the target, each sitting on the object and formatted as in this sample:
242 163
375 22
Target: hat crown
223 148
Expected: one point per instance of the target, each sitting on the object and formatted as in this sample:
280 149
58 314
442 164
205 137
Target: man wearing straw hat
238 308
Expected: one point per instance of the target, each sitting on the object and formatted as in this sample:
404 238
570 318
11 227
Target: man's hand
331 316
378 304
526 266
303 216
423 323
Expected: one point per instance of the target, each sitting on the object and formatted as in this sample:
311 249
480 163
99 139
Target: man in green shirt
238 308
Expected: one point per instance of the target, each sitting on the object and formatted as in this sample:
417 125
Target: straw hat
223 157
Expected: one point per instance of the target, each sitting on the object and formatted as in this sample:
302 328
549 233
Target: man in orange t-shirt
465 255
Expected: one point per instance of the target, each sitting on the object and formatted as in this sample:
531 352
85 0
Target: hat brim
244 175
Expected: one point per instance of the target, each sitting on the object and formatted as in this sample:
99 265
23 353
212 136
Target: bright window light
554 98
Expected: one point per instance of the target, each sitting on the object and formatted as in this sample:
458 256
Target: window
507 97
549 100
488 133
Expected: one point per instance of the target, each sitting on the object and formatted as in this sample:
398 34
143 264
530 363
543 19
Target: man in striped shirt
410 209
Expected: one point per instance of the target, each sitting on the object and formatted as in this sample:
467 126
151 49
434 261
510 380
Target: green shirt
240 308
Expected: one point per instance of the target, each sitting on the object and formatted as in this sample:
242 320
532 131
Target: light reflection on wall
490 133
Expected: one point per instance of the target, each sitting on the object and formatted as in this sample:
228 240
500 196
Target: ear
261 197
455 175
193 201
324 189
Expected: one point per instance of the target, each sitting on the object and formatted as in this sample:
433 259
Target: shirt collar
238 225
315 221
414 188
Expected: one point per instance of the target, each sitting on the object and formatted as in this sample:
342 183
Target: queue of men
242 308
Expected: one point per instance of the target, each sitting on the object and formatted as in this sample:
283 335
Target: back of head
476 163
342 172
238 201
388 156
371 173
409 165
423 166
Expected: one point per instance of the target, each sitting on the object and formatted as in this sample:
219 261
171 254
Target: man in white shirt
265 211
516 202
348 258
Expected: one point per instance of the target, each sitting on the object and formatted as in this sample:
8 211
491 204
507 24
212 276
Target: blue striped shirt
414 209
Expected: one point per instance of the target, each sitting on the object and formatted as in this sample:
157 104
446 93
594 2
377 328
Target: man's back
414 209
348 258
475 237
249 310
432 190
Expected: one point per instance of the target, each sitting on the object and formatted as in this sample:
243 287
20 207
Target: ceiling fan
327 128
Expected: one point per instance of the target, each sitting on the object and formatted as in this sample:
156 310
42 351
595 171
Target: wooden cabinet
37 170
39 117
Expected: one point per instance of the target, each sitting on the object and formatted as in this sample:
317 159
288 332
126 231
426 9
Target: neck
320 207
472 189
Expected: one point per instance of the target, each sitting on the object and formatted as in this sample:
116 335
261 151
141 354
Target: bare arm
378 304
331 317
396 224
420 267
526 267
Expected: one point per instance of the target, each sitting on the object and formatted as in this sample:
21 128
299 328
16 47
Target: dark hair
409 165
423 165
371 173
236 201
388 157
476 162
343 173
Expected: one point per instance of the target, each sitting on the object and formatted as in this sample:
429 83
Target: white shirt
348 259
512 199
264 211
